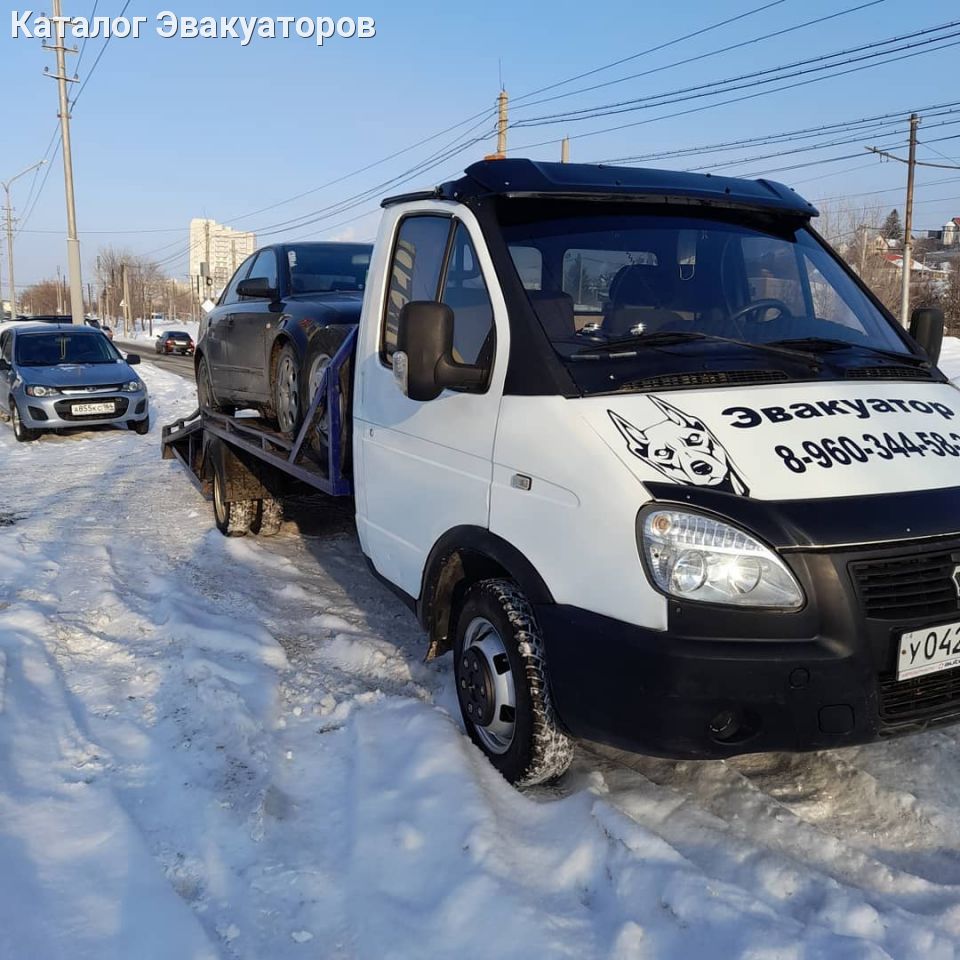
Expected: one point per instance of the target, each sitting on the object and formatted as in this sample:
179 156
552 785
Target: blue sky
171 129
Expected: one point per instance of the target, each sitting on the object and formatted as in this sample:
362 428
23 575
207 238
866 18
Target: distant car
98 325
58 376
175 341
276 326
46 318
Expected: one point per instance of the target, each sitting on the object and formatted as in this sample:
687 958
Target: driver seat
642 294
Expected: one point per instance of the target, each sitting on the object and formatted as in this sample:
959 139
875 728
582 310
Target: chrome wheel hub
288 393
485 685
219 506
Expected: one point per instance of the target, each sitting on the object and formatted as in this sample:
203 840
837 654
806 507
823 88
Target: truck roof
530 178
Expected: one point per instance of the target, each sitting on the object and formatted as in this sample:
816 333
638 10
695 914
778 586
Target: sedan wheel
22 433
286 391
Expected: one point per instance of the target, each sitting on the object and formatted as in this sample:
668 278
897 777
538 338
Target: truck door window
529 264
6 350
415 271
465 292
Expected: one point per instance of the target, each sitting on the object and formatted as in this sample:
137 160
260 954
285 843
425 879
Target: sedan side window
415 271
265 267
230 294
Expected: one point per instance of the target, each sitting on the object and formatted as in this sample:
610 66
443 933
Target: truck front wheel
502 686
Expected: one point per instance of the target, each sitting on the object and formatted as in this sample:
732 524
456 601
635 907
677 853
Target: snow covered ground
144 336
217 748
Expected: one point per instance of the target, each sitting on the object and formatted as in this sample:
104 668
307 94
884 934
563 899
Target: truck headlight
698 558
40 391
132 386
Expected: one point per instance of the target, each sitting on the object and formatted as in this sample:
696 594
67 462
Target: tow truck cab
648 429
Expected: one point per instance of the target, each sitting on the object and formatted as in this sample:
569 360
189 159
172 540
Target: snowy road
232 749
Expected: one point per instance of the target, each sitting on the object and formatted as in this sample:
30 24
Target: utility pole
912 163
565 150
908 225
6 184
126 299
503 103
73 243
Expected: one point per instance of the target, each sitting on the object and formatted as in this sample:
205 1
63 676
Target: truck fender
461 557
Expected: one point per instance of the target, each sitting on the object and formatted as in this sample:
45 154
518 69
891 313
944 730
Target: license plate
85 409
929 651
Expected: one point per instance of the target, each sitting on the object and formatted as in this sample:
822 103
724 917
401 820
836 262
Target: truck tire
23 434
502 685
270 517
233 518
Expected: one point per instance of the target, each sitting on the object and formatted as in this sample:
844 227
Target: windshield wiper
670 337
827 343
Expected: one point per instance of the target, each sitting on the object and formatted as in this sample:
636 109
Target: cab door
423 468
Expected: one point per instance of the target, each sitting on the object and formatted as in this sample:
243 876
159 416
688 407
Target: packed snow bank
216 748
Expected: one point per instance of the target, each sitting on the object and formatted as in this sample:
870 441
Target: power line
749 79
649 50
741 99
100 54
881 120
705 56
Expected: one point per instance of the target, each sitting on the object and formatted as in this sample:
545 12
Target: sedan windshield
720 281
52 349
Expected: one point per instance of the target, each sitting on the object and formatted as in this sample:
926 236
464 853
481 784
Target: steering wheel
769 303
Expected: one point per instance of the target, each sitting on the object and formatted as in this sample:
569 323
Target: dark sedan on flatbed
276 326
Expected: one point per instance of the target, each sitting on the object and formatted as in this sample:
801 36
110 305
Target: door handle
230 319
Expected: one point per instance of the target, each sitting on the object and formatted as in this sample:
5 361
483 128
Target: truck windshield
721 280
51 349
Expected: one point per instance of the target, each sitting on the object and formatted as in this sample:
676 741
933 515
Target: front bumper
722 682
56 413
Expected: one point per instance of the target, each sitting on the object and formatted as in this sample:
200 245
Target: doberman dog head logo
681 448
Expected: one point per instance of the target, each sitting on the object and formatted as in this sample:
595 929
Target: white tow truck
646 456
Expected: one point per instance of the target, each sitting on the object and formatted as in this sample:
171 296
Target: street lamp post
6 184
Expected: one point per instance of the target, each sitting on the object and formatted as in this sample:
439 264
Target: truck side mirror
423 363
926 327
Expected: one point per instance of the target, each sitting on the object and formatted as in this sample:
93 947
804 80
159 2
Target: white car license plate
929 651
85 409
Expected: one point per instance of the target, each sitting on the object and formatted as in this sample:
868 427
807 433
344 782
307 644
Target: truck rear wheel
270 517
502 685
234 518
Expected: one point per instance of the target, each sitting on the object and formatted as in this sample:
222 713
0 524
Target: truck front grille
907 588
934 698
